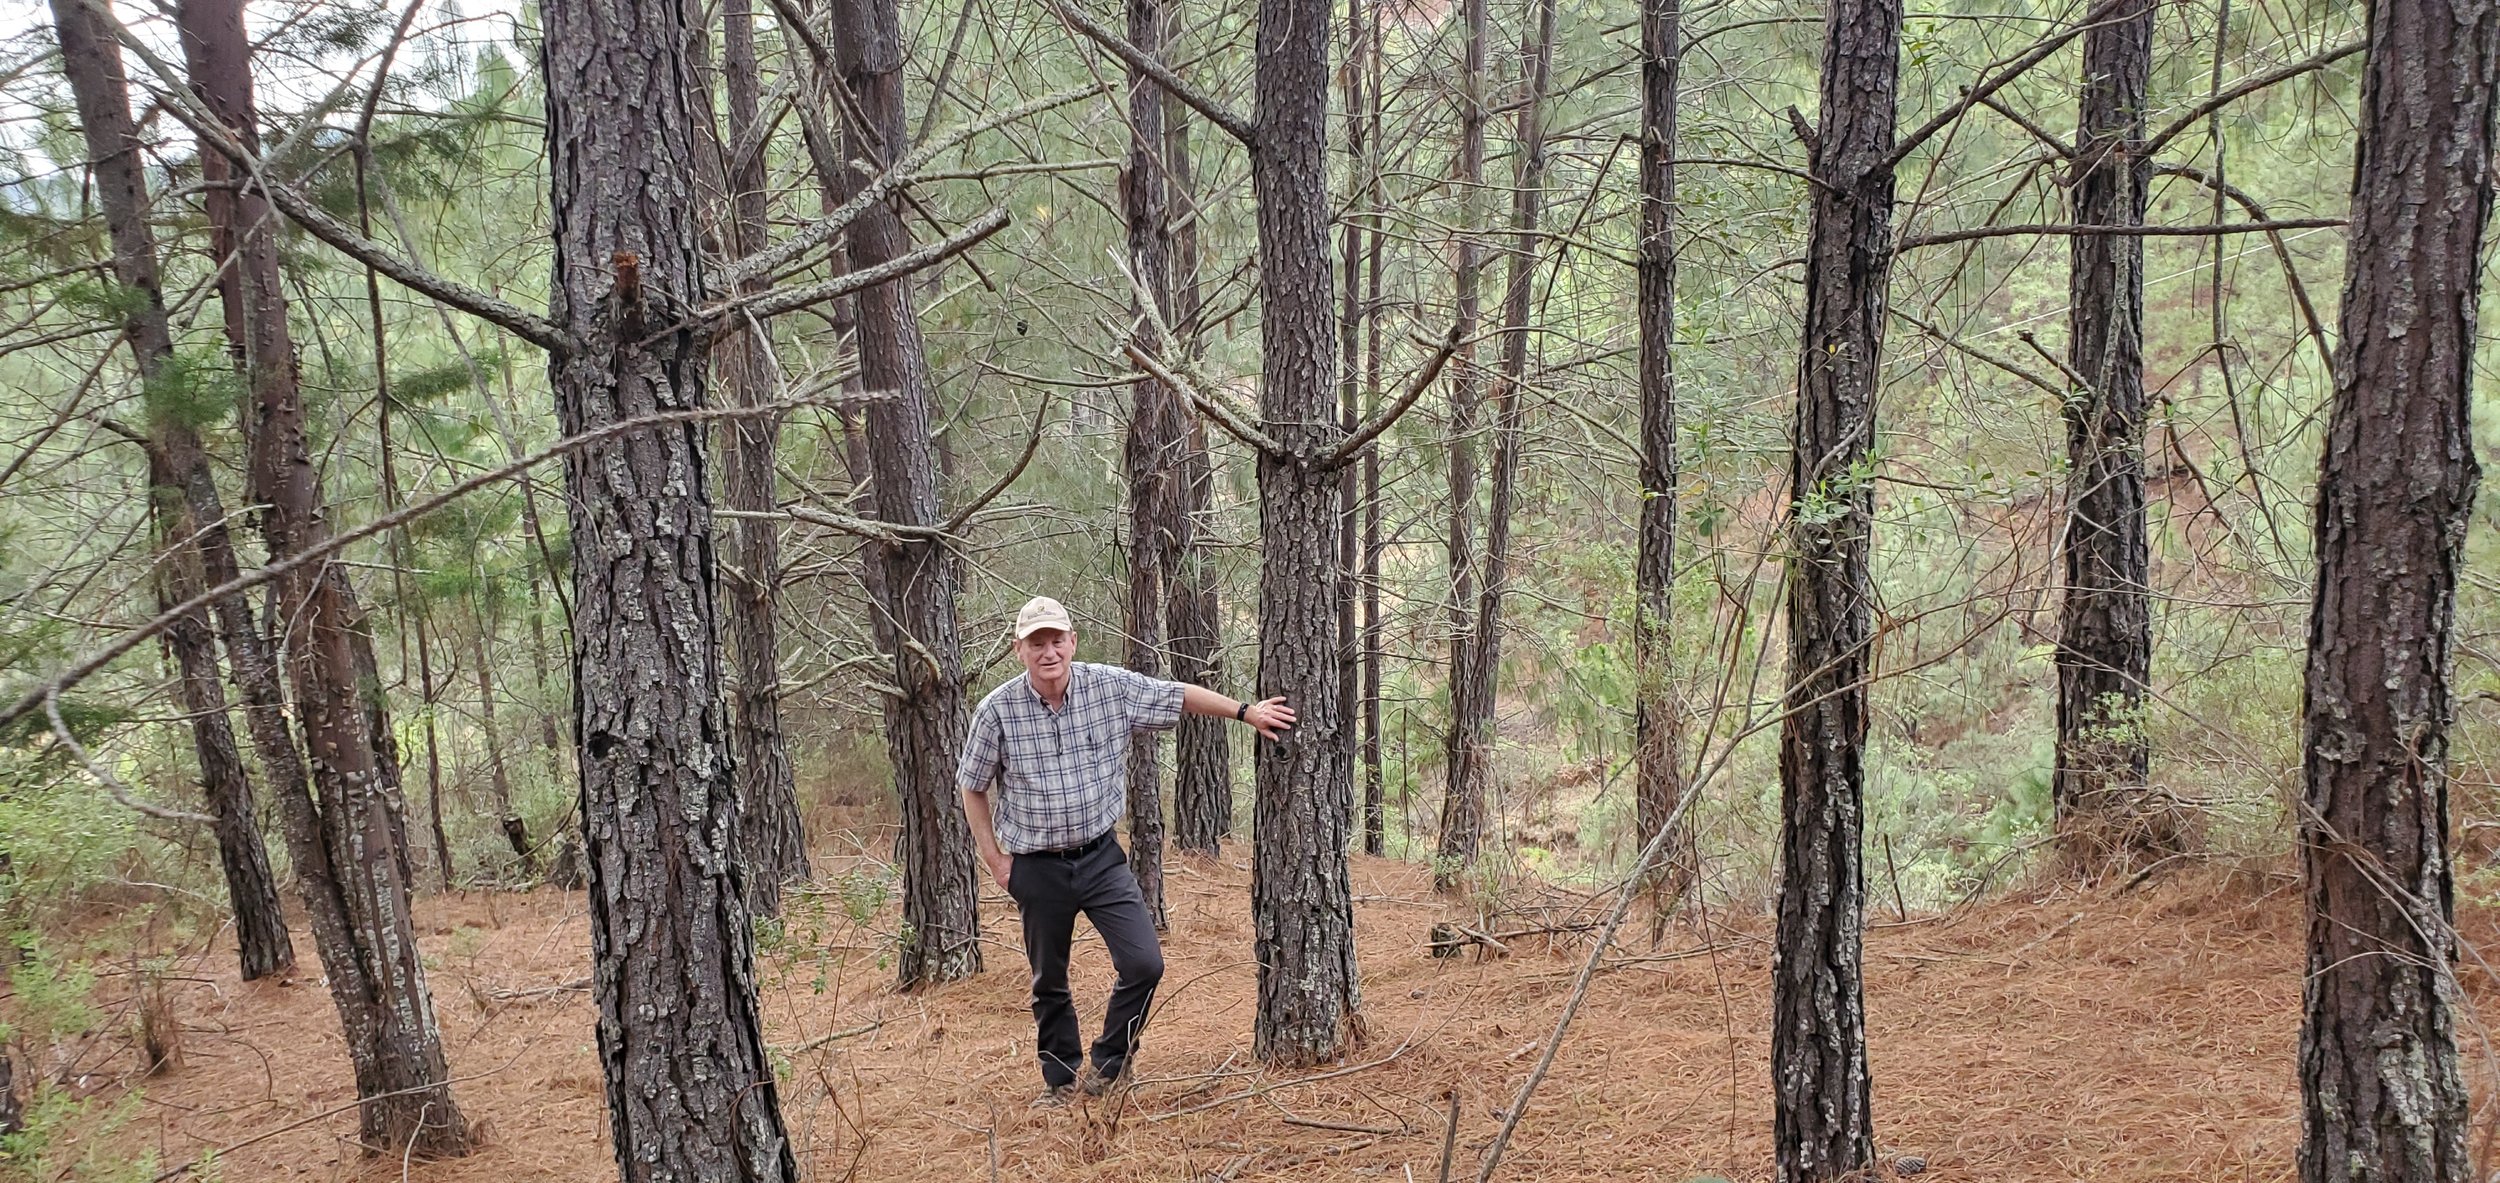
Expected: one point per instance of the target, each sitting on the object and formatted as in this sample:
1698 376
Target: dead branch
1234 125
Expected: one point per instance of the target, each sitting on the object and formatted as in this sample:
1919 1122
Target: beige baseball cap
1042 612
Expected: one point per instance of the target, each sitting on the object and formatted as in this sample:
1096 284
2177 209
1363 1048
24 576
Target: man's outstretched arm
1271 718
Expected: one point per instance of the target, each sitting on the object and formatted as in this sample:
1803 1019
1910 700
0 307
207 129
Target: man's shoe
1057 1096
1095 1084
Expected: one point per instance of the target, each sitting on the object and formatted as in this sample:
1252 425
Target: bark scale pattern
2105 624
1151 450
1462 799
1821 1124
2382 1100
690 1088
1300 890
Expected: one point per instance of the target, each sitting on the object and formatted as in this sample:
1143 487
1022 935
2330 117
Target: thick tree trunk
1301 896
349 848
1821 1117
1462 800
690 1087
1152 447
1474 690
92 59
2382 1100
1202 779
2105 626
773 843
1657 717
924 725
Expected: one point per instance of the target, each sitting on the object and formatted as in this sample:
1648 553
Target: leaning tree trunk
1473 682
2382 1100
1300 892
1151 447
690 1087
349 846
1821 1118
2105 625
773 844
1202 772
924 724
1462 801
1657 716
92 59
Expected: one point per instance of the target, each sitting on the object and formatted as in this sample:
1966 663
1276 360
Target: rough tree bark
1154 431
2382 1100
349 849
924 724
1462 800
1821 1116
1202 779
1349 402
1375 805
1473 682
1657 718
1300 892
2105 624
690 1087
772 842
92 60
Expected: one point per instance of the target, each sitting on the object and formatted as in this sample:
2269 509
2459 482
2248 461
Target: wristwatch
1242 715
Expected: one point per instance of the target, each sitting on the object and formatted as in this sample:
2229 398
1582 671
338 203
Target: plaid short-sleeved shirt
1061 776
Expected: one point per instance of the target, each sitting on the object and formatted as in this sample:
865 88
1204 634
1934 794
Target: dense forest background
2253 106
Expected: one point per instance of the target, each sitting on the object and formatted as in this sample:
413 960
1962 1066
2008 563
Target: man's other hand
1000 863
1271 719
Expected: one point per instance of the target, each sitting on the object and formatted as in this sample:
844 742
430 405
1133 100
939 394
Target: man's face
1046 654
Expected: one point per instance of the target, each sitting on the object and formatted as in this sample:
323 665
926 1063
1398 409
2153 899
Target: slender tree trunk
690 1087
499 780
1822 1126
1349 399
2105 626
1152 443
1462 800
349 848
92 59
1202 781
1301 896
2382 1100
925 723
773 843
1657 722
1474 687
1375 807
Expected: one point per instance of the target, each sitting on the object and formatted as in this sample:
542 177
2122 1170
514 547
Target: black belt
1080 850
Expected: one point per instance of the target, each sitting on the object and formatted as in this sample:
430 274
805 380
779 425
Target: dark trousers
1050 890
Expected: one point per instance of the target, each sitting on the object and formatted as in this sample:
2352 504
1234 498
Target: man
1055 744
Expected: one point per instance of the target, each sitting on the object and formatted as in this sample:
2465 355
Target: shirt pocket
1029 756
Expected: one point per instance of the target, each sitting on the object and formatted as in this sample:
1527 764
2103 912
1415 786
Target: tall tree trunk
924 725
2382 1100
1202 777
2105 626
1821 1117
1349 400
349 847
1657 718
1152 443
1462 800
773 843
1375 805
92 59
1474 682
690 1087
1300 893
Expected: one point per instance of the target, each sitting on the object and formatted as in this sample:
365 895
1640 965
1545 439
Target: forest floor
2048 1034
